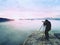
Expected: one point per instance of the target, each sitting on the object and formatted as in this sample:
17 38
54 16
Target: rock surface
38 38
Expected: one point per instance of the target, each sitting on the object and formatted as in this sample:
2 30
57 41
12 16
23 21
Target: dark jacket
47 24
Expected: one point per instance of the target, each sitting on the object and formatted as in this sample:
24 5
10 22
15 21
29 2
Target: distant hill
41 19
53 18
5 19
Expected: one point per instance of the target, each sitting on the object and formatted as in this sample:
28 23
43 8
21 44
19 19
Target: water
15 32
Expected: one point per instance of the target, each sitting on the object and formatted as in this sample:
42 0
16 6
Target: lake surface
15 32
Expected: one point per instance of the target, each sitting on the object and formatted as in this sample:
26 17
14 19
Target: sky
29 8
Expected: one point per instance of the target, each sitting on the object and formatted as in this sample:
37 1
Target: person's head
46 20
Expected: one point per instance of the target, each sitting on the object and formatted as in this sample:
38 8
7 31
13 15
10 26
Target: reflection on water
14 33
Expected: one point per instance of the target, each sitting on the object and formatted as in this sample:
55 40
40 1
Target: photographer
47 25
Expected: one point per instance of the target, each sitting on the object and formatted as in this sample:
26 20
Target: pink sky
15 13
29 9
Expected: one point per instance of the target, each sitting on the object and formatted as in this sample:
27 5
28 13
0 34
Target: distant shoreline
5 19
41 19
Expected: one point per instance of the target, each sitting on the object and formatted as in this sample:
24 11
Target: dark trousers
47 34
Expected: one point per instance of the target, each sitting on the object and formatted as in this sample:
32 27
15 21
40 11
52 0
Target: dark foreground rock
38 38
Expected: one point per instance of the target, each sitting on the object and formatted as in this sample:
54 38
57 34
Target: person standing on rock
47 25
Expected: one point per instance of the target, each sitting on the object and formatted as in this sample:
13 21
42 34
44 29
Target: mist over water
15 32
